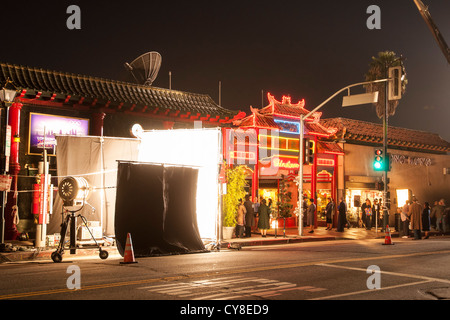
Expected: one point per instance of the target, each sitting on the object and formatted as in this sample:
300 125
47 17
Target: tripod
70 220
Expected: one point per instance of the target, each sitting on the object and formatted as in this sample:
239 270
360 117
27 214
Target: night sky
304 49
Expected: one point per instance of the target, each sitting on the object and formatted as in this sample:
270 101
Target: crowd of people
246 214
414 217
421 218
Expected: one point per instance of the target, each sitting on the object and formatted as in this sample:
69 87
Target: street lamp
7 97
351 100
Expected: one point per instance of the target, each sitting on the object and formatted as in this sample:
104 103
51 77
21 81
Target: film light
74 191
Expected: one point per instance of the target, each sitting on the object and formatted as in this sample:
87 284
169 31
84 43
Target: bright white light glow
402 196
199 148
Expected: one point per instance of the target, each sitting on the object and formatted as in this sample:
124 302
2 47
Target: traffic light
395 83
308 154
378 162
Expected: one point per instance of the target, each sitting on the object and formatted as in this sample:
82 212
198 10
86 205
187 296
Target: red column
255 178
11 232
97 125
314 179
334 191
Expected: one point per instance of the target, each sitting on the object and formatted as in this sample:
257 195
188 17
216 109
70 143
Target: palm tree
378 69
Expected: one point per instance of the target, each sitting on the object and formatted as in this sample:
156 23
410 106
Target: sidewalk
24 250
290 235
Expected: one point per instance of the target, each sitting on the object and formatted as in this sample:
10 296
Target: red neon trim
319 134
325 162
334 152
242 155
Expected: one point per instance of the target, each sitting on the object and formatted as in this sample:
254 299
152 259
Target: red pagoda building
268 143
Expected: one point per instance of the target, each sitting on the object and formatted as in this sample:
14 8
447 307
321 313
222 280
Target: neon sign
286 164
242 155
291 127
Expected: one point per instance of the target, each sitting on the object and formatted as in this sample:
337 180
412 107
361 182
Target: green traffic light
377 165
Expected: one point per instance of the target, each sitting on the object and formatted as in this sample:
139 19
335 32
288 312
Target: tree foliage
284 199
236 184
378 69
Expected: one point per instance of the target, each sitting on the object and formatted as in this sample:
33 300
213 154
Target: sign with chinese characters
416 161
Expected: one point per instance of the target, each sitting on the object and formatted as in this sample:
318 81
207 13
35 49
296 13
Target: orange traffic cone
128 256
387 238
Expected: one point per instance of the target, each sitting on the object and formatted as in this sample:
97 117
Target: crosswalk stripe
226 288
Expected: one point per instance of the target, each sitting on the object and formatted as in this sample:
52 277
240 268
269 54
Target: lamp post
354 100
6 97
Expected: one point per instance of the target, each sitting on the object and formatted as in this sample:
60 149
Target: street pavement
23 251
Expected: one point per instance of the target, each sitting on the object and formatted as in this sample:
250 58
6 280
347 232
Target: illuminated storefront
268 142
418 166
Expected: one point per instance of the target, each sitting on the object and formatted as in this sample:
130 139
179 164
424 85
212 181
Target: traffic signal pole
302 152
385 149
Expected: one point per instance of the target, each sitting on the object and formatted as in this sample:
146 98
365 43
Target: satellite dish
145 68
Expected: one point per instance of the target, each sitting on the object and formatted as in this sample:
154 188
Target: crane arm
434 29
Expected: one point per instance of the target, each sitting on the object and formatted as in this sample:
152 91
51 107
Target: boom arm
434 29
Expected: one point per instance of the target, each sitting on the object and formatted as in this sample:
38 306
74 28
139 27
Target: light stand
74 192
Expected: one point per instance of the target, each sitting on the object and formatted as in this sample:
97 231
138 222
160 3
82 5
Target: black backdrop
157 206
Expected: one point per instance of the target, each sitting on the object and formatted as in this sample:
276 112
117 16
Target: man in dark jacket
342 217
249 216
438 214
416 218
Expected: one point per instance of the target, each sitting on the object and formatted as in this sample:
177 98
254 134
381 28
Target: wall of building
420 172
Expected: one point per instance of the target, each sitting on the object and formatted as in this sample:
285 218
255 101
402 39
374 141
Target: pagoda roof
60 89
284 110
367 132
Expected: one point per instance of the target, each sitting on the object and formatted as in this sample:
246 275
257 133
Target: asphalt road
253 276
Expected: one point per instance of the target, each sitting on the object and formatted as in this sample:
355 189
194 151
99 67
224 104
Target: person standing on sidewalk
342 217
426 219
416 218
310 215
240 219
404 216
264 218
377 215
329 211
367 211
249 216
439 212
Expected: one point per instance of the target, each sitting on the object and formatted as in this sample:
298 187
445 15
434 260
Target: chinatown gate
267 142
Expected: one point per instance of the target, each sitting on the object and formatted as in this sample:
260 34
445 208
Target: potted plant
236 184
284 201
